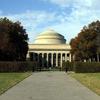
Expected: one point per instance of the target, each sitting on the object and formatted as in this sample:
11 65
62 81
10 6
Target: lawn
90 80
7 80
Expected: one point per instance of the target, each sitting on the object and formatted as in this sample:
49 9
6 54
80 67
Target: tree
13 40
96 26
87 44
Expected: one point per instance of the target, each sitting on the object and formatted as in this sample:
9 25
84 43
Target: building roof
50 37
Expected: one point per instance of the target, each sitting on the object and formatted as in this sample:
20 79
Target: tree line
86 45
13 41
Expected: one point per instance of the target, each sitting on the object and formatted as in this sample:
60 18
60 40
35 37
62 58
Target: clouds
61 3
33 21
82 13
82 10
75 3
68 3
78 7
68 20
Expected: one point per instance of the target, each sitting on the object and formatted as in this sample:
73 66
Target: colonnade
50 59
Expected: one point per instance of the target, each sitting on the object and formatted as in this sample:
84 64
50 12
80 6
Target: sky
67 17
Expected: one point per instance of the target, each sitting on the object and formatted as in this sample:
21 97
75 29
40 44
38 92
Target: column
61 60
42 59
52 59
65 57
56 59
28 56
70 57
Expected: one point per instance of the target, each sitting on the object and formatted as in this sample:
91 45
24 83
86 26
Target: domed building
50 37
49 49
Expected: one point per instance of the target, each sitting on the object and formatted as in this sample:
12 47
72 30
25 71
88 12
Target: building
49 49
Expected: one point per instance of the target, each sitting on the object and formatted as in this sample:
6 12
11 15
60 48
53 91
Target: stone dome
50 37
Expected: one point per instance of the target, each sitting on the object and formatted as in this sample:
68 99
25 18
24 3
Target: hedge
67 66
87 67
82 67
17 66
78 67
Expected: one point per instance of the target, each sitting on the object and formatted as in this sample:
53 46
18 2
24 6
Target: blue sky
64 16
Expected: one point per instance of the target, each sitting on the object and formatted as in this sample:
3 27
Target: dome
50 37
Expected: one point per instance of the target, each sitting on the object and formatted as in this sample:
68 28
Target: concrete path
49 86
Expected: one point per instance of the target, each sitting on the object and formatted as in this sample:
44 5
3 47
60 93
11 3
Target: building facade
49 49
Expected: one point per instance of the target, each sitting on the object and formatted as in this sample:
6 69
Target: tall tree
87 43
13 40
96 27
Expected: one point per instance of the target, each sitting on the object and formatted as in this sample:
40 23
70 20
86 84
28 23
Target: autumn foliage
86 46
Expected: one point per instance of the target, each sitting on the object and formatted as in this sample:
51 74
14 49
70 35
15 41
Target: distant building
49 49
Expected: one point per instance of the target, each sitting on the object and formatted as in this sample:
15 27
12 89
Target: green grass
90 80
7 80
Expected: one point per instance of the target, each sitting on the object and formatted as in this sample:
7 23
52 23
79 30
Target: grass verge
90 80
7 80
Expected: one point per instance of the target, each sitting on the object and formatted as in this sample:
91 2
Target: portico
50 50
50 59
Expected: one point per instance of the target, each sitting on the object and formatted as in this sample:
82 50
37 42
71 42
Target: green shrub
81 67
17 66
68 65
86 67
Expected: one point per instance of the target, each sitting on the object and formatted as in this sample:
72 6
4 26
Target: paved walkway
49 86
